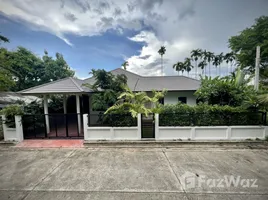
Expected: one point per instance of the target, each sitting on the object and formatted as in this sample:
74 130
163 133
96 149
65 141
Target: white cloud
148 62
180 25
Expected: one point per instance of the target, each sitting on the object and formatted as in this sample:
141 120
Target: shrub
10 112
207 115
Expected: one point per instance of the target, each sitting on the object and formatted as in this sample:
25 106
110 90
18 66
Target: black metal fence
212 119
114 120
60 126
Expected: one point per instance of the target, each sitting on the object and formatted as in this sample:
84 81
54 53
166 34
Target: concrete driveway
133 173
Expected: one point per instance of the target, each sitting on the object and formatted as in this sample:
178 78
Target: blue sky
105 33
106 51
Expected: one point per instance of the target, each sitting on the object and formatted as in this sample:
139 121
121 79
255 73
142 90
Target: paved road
132 173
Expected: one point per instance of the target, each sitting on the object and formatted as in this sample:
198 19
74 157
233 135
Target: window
161 101
182 99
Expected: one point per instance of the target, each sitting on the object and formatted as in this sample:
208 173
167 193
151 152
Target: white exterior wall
209 132
172 97
13 134
111 133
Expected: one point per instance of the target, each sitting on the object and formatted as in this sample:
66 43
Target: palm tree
202 65
124 65
162 51
209 56
179 66
135 102
187 65
216 62
220 60
229 57
195 54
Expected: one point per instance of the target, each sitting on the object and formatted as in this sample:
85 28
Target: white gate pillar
46 113
78 113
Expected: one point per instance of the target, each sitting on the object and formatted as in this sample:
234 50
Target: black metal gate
147 126
60 126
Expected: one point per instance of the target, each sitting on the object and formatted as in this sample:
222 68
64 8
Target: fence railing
113 120
212 119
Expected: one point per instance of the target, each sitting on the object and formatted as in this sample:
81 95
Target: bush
114 120
10 112
207 115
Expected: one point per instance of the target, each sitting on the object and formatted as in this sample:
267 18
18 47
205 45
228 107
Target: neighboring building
7 98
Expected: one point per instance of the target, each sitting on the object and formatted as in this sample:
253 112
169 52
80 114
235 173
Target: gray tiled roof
66 85
135 82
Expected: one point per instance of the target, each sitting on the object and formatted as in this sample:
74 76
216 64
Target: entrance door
147 126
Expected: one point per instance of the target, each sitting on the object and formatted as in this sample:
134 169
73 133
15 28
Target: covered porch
64 124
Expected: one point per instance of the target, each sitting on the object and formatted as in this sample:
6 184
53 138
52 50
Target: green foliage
117 120
207 115
21 69
107 88
124 65
244 44
135 102
3 38
232 91
10 112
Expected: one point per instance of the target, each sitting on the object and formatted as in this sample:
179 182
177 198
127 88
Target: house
179 88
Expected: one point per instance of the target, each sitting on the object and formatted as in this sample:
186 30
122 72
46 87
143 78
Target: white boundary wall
13 134
208 132
112 133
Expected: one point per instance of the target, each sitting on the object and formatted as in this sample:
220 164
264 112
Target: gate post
139 126
156 125
85 124
19 129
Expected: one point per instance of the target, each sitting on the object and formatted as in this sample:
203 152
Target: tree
55 69
179 66
209 57
244 44
196 54
162 51
202 65
3 38
187 65
229 58
134 102
6 80
107 88
225 91
22 69
124 65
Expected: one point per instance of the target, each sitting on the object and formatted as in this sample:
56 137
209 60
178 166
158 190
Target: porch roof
135 82
66 85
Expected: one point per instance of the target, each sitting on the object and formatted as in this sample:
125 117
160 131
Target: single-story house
179 88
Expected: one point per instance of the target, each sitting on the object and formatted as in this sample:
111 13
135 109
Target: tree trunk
196 69
209 70
220 70
162 65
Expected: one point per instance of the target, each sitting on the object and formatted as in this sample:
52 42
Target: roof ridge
76 84
171 77
44 84
126 71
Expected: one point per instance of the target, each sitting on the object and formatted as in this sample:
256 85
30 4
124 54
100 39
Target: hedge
208 115
114 120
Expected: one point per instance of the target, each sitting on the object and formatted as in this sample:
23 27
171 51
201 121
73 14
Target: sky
102 34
